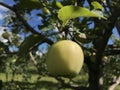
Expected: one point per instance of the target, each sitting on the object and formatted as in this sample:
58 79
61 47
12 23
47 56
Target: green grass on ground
43 83
33 83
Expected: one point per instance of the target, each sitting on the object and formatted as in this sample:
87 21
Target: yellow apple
65 58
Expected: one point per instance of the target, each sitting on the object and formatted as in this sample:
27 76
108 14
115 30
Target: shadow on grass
40 85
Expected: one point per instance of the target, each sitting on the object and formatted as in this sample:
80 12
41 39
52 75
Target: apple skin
65 58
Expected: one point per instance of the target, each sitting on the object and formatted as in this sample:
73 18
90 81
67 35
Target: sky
2 14
3 9
34 21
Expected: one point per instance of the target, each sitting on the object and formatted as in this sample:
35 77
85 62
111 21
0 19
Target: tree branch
118 27
7 6
112 50
21 18
33 59
115 84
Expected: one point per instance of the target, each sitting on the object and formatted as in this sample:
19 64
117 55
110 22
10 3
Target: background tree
24 36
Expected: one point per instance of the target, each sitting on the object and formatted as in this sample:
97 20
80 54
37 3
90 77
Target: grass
32 79
33 83
43 83
118 87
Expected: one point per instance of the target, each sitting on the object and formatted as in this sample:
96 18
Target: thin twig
115 84
33 59
21 18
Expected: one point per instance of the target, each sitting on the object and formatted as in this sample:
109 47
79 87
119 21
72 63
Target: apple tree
30 24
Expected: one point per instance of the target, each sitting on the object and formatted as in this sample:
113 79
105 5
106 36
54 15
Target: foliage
70 12
30 27
112 70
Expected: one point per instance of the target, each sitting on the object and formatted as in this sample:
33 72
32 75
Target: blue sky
3 9
33 22
9 2
2 14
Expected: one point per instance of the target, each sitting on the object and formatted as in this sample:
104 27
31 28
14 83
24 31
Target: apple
5 35
65 58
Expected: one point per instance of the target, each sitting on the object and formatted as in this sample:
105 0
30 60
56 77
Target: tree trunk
1 84
95 75
95 80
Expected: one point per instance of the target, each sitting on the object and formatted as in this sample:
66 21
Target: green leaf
30 4
28 43
46 28
70 12
59 4
98 12
97 5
